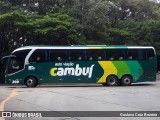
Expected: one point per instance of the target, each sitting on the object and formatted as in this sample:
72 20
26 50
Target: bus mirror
15 67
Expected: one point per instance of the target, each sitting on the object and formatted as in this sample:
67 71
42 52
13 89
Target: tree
8 30
5 6
18 30
51 29
90 19
63 22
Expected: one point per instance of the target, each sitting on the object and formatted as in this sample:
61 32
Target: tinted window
38 55
77 55
95 55
149 53
136 54
117 54
14 66
17 62
20 57
57 55
132 55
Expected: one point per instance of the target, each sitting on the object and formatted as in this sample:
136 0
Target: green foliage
64 22
18 30
8 25
120 36
4 6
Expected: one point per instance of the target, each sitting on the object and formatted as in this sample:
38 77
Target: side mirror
15 67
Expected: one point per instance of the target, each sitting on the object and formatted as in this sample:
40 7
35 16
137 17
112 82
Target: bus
106 65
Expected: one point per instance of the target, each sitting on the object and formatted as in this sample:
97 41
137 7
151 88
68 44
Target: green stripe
135 69
122 68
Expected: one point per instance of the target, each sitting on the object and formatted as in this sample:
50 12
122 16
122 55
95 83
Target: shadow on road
80 85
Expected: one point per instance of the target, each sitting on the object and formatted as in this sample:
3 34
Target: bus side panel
17 78
42 72
66 72
149 70
108 68
122 68
136 70
85 72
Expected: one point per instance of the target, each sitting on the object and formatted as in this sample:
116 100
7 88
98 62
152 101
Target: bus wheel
111 80
126 80
31 82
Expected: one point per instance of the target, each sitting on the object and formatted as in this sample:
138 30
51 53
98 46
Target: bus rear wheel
31 82
111 80
126 80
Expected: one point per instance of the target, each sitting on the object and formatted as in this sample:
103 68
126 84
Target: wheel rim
29 82
126 80
112 81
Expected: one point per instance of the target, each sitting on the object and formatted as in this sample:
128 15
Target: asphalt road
82 97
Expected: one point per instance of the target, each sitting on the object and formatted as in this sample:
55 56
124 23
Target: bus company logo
77 71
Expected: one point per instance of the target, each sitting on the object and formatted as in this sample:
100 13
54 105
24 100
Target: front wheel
31 82
126 80
112 80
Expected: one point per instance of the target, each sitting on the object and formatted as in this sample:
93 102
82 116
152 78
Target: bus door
38 65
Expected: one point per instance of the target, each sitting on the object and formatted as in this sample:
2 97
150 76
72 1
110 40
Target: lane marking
11 95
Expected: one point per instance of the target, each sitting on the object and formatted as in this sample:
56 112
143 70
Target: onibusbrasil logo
74 71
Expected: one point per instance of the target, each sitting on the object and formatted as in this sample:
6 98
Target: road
82 97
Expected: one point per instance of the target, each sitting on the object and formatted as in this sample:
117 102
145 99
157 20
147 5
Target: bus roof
83 47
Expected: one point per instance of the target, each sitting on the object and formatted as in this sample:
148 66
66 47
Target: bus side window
95 55
77 55
136 54
38 56
116 54
143 55
132 55
112 55
129 56
150 54
57 55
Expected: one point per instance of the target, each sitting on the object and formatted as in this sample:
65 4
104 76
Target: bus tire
111 80
126 80
31 81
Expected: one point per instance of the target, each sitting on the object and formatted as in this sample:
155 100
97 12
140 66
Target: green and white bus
107 65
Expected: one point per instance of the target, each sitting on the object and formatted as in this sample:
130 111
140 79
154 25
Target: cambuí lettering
77 71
